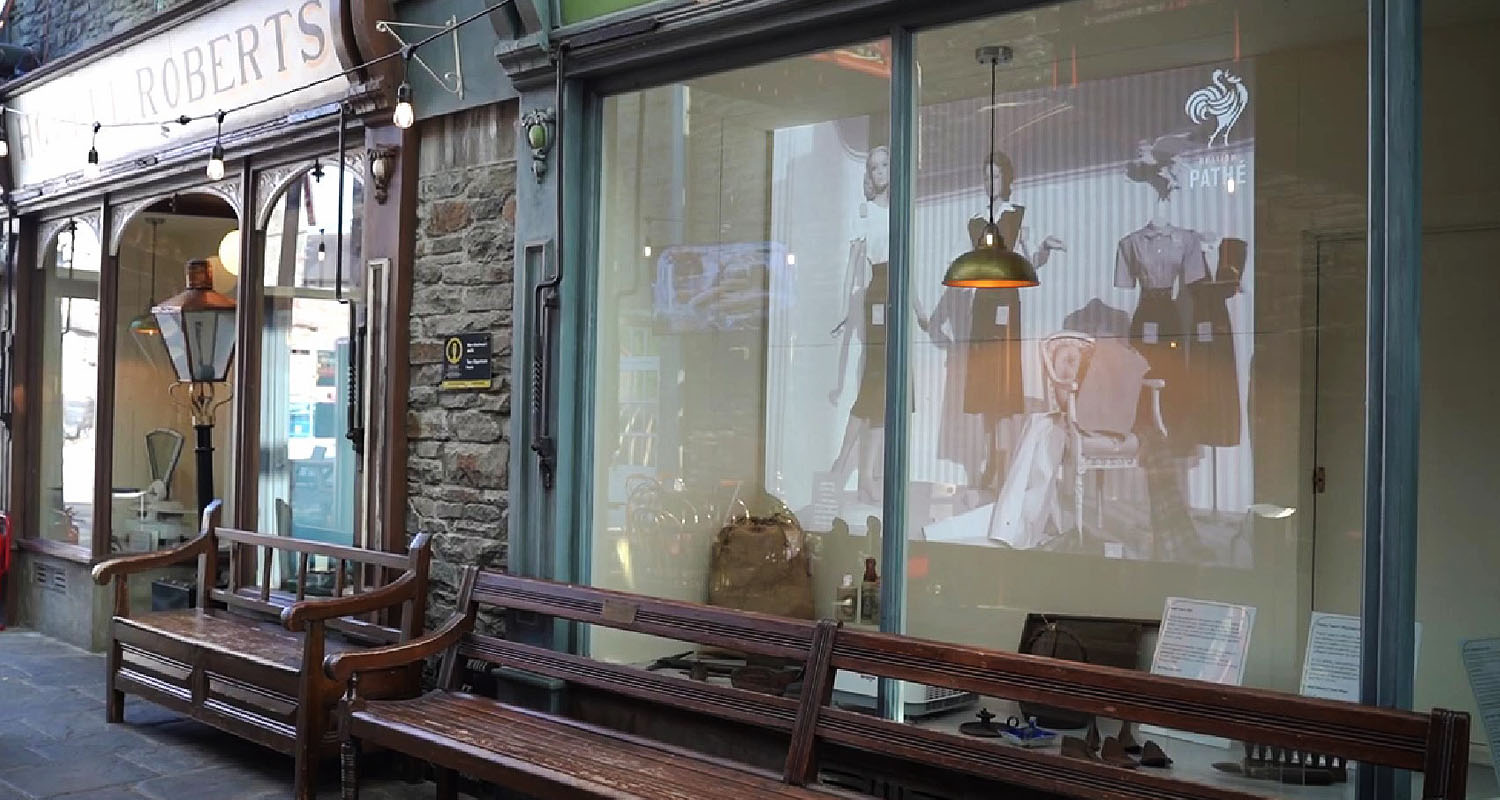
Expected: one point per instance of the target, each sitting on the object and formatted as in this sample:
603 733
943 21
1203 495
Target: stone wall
56 28
458 452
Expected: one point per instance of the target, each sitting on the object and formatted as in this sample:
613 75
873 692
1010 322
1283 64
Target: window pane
741 331
1458 596
69 385
307 469
155 476
1147 423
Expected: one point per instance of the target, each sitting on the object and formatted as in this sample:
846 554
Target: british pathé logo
1222 102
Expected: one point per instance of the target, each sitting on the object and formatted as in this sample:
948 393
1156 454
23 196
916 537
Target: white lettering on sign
238 54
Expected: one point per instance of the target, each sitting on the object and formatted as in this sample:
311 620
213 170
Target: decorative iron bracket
452 82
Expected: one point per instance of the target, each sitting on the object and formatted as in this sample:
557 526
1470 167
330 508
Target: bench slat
397 561
1363 733
1014 765
687 622
725 702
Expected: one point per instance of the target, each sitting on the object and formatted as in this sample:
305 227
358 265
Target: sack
762 564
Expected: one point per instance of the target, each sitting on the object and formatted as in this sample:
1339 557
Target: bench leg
447 784
114 699
349 772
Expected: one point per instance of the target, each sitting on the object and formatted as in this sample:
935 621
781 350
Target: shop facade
304 222
1244 382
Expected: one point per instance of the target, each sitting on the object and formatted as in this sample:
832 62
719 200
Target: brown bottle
869 595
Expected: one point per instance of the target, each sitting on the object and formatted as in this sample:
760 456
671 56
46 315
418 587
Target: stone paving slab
54 742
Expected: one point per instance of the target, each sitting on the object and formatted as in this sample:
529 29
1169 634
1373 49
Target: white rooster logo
1223 100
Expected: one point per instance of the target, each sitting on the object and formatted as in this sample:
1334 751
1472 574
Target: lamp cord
989 177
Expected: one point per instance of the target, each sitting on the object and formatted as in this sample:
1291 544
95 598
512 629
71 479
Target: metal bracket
456 77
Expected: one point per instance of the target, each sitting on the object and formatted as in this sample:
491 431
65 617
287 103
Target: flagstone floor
54 742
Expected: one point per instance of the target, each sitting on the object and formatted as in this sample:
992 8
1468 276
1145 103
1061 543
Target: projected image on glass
1102 412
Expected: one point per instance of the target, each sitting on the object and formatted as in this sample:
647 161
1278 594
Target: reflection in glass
742 313
307 467
69 386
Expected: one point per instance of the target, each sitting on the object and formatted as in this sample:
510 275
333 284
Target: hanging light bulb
216 155
992 264
91 166
405 116
4 147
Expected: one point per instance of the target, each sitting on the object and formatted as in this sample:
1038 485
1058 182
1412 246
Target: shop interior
1191 185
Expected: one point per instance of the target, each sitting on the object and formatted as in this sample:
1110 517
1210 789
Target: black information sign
466 361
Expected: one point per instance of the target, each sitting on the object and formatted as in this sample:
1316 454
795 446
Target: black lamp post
197 327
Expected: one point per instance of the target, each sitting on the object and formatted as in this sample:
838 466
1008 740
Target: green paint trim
898 349
581 10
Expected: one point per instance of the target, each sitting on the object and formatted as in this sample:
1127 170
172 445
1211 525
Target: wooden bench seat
521 748
227 633
245 660
548 755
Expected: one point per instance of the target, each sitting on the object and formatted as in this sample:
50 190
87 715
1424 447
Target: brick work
458 453
56 28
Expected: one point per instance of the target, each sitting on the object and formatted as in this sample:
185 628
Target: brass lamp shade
991 265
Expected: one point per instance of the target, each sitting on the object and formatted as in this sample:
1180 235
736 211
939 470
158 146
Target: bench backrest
804 642
1435 744
355 571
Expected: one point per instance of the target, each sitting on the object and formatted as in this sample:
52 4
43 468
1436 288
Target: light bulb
4 148
91 166
1229 185
791 259
322 252
229 252
216 163
646 251
405 116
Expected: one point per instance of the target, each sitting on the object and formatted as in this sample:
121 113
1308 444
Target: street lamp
197 327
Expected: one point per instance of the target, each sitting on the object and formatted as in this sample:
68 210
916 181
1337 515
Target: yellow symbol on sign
454 350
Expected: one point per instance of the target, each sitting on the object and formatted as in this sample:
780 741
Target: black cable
185 119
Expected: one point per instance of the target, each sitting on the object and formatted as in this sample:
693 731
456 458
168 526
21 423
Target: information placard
466 361
1202 640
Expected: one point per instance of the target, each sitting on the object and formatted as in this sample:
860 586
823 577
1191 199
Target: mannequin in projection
1212 368
1160 257
980 332
864 319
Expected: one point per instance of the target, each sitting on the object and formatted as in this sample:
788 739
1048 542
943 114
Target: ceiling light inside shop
229 252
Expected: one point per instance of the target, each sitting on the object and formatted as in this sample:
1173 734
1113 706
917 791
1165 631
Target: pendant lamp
992 264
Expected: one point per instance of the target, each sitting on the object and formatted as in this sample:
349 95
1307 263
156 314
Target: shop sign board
466 361
240 53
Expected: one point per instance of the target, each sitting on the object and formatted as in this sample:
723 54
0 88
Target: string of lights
403 117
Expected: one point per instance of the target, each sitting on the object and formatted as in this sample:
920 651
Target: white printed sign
234 55
1205 641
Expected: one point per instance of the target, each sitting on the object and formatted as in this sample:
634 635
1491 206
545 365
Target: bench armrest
297 615
341 666
129 565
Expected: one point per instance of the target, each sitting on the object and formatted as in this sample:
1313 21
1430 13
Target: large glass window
69 384
1170 424
1458 596
308 466
741 332
155 478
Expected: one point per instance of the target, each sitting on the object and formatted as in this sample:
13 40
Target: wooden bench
547 755
236 660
